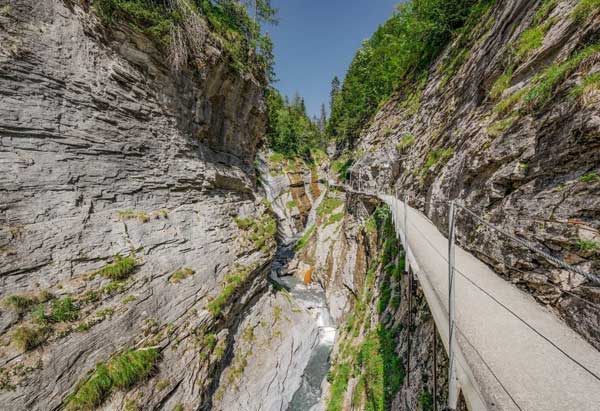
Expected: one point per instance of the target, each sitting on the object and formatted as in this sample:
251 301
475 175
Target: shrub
120 269
291 205
590 177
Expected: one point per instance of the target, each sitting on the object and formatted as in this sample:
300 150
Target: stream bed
312 298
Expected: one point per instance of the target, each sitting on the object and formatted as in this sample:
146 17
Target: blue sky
316 40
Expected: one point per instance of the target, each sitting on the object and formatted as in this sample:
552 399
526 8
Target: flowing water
312 298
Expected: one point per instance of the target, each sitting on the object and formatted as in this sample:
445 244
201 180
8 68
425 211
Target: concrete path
513 353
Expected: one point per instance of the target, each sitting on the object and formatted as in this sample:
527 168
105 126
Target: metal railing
453 208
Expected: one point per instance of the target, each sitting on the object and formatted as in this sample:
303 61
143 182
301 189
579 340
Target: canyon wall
130 227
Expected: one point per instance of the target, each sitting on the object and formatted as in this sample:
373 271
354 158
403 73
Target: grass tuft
120 269
123 371
232 283
180 275
406 141
303 241
585 9
590 177
26 338
328 206
19 303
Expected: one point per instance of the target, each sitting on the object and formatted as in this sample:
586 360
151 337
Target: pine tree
335 89
323 120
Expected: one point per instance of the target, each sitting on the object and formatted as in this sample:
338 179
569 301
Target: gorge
177 235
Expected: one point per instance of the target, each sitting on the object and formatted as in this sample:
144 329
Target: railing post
405 233
350 180
452 383
435 399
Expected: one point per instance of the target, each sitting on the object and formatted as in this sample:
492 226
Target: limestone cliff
129 224
507 123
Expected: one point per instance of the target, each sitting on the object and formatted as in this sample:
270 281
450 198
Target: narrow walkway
512 354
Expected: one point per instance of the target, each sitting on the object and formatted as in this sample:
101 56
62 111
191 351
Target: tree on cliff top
398 53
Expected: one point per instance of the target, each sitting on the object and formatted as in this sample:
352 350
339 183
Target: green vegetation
231 284
26 338
544 84
341 167
335 218
178 407
291 205
261 232
589 83
587 245
120 269
129 299
303 241
371 225
590 177
339 378
175 27
328 206
114 287
426 401
121 372
397 55
180 275
542 87
436 157
500 126
290 132
63 310
19 303
532 39
142 216
585 9
372 360
501 84
406 141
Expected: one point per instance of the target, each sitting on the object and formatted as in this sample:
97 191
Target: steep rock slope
106 152
507 122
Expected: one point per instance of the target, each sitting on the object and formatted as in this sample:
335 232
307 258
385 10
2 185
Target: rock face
513 132
105 151
292 188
